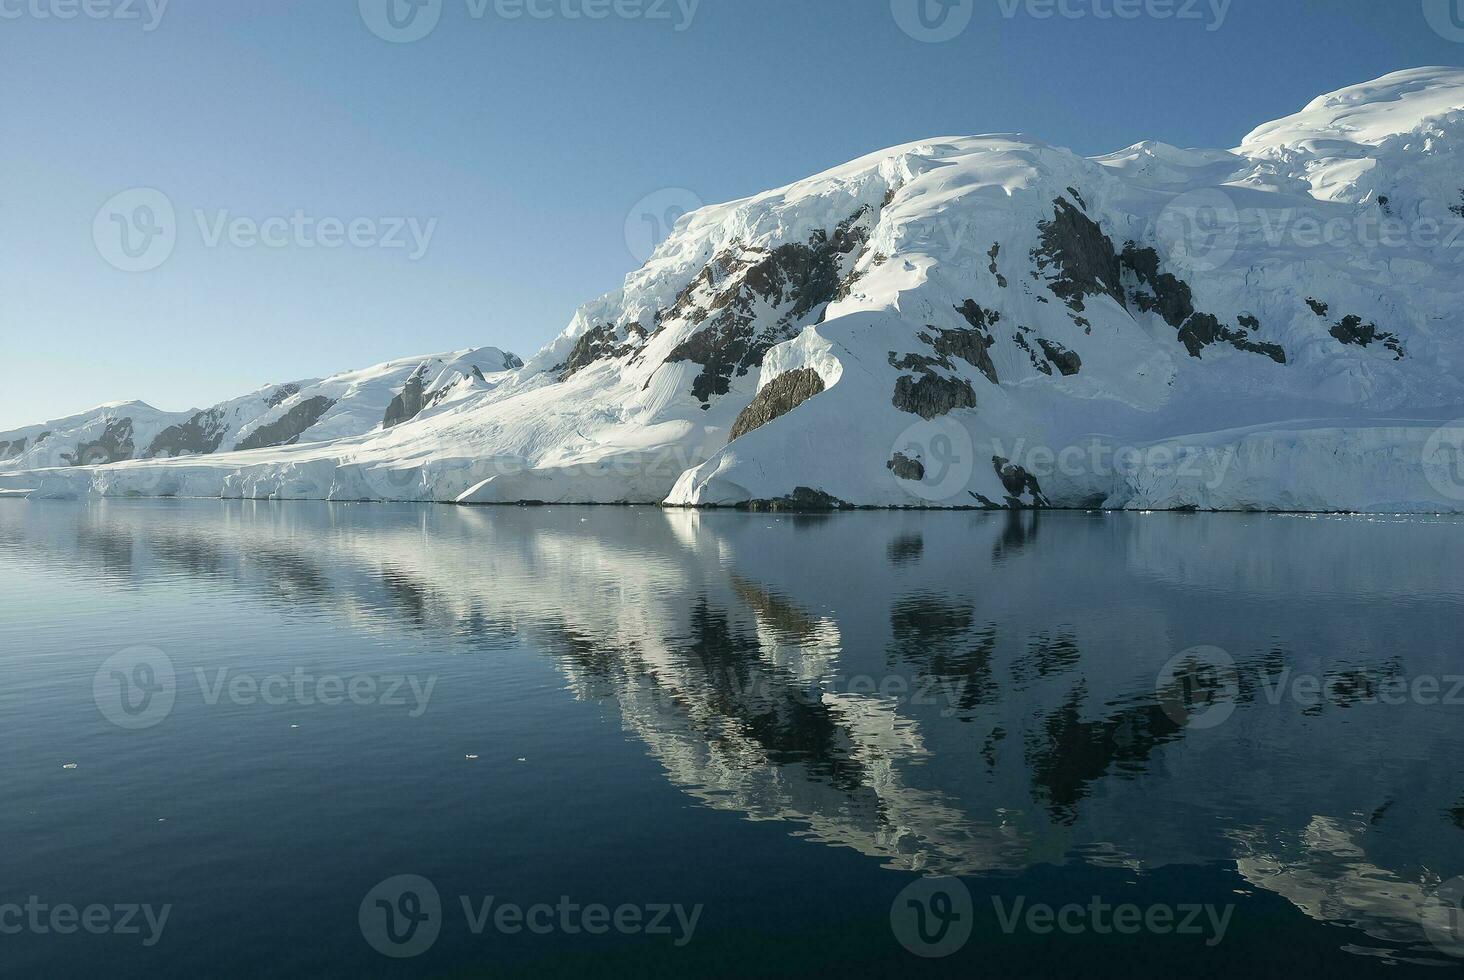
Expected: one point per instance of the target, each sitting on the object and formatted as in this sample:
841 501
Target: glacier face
966 322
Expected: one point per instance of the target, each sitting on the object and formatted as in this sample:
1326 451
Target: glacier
960 322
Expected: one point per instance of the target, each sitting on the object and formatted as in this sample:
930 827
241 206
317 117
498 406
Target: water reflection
961 693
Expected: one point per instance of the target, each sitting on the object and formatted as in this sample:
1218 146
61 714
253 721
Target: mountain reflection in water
965 694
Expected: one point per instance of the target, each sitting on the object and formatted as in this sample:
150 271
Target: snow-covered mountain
315 410
986 321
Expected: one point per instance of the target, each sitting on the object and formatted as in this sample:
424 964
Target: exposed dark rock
1317 307
1037 362
287 429
931 396
1001 280
1066 361
1383 203
1089 266
1351 330
971 346
778 397
1459 208
1248 322
1083 255
597 344
906 468
114 445
10 450
41 438
1168 295
199 436
802 499
1204 329
281 394
1017 482
408 402
1171 297
795 279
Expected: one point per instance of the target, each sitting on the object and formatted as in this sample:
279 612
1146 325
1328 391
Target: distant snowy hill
347 404
972 322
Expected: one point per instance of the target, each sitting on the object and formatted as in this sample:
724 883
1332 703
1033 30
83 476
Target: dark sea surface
301 739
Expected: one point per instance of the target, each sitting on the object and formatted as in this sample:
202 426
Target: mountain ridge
986 321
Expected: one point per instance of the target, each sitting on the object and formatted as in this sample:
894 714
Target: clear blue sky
529 141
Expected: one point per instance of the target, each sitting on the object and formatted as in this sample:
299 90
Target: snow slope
346 404
985 321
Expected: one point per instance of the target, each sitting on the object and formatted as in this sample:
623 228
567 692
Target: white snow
1302 205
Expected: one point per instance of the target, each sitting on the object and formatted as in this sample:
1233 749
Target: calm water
759 746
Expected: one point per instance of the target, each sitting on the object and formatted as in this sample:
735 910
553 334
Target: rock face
777 398
1351 330
407 404
728 299
199 436
287 429
114 444
962 301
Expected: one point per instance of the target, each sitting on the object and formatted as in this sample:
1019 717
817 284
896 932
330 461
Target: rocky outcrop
973 345
598 344
1066 361
1351 330
778 397
794 280
1083 257
287 429
905 468
114 445
928 394
801 500
1171 297
408 402
281 395
199 436
1019 484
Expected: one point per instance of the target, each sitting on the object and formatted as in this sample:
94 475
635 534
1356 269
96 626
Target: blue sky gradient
524 145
